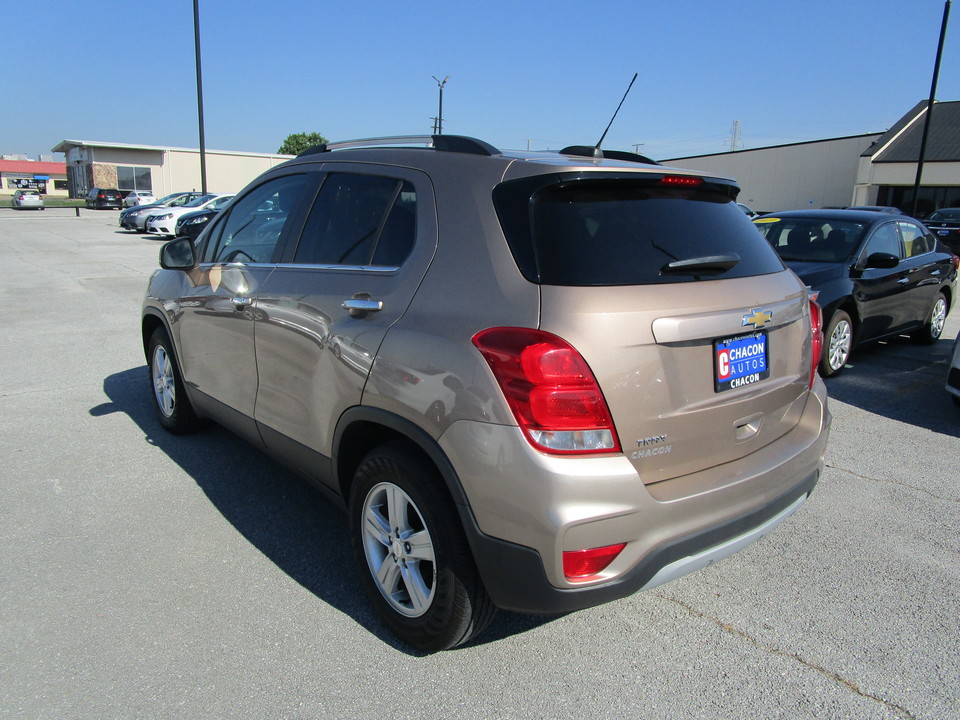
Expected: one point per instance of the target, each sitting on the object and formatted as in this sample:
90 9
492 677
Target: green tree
298 142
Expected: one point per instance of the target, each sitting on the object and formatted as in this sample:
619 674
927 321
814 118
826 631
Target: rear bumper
671 528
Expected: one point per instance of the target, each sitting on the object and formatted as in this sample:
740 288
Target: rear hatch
698 336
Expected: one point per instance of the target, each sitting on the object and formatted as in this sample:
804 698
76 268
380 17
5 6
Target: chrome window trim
377 269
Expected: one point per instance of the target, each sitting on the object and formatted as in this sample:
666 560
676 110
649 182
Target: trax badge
758 318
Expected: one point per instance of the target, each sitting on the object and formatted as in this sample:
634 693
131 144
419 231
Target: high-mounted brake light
551 390
584 564
681 181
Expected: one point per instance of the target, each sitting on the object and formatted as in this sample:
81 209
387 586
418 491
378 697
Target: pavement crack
889 481
830 674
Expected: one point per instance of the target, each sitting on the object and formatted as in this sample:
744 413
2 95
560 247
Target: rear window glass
591 232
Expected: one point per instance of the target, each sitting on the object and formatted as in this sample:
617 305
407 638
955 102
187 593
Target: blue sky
522 73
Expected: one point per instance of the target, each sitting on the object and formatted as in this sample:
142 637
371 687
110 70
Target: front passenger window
255 224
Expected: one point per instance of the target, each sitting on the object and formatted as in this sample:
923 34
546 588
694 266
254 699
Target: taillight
551 390
816 330
956 260
584 564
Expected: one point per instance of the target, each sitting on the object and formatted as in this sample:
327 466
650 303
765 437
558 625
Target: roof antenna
597 152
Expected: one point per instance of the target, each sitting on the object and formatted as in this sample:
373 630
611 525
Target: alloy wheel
164 386
399 550
838 348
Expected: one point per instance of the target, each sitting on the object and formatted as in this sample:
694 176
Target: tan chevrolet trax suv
535 381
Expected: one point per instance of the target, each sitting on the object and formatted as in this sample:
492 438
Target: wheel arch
361 429
149 323
849 306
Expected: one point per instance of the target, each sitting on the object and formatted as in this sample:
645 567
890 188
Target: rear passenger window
359 220
252 230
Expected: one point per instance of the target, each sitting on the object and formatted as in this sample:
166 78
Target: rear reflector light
583 564
550 389
681 181
816 330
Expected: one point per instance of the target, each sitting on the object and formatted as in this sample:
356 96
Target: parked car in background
747 210
889 209
945 224
191 224
23 199
874 274
104 199
953 374
163 221
139 197
135 218
536 381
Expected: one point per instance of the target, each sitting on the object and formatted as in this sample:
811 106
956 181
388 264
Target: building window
134 178
931 197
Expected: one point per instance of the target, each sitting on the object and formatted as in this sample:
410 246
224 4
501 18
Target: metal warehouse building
870 169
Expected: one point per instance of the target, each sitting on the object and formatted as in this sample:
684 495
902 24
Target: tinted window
949 215
252 229
629 232
359 220
885 240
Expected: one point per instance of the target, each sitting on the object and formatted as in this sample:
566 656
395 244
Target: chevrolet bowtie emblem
758 318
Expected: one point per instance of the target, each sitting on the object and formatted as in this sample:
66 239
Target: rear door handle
358 307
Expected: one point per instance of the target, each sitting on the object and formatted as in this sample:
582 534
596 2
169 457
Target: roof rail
443 143
587 151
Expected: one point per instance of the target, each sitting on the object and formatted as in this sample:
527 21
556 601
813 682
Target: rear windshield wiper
706 265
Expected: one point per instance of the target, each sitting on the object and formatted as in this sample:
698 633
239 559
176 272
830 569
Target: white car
164 220
27 199
139 197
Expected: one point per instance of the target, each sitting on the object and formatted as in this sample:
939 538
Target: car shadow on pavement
277 511
900 380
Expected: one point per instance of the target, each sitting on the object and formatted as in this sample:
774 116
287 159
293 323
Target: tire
411 552
933 326
837 344
174 410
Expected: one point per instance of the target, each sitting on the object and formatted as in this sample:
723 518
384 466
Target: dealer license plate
740 361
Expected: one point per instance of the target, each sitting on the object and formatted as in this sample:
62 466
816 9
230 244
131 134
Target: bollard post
78 211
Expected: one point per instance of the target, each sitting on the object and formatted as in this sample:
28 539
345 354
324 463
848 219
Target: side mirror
178 254
881 260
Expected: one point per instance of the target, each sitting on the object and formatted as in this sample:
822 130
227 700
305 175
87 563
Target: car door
878 291
924 275
216 316
323 313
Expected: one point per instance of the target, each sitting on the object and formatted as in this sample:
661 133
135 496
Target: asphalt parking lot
150 576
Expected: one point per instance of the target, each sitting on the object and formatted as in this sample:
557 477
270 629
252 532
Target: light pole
196 41
930 102
440 84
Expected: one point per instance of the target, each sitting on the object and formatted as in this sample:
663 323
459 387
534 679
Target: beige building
161 170
870 169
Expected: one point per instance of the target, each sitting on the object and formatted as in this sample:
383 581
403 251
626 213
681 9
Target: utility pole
440 84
